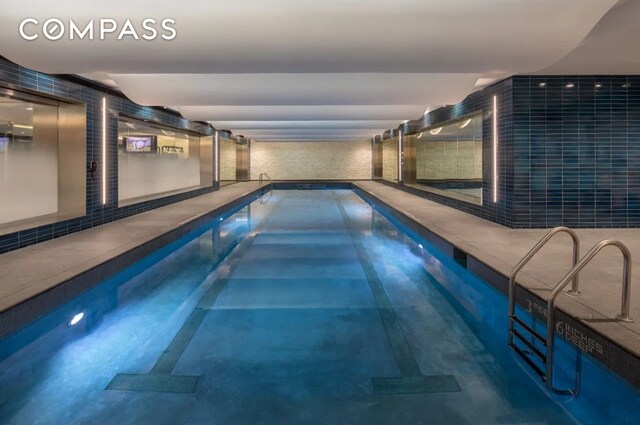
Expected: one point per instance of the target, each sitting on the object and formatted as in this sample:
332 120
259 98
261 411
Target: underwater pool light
76 319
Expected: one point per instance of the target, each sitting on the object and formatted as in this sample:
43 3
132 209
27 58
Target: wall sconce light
400 139
104 151
495 149
216 161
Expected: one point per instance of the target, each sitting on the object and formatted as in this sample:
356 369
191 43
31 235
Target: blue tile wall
569 151
576 143
96 213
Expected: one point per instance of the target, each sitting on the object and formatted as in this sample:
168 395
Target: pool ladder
264 176
264 199
519 330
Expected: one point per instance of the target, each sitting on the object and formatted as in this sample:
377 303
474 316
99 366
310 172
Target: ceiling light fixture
420 135
466 123
436 131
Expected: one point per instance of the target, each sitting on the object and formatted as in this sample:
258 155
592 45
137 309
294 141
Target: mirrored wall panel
390 159
228 162
155 161
42 175
449 159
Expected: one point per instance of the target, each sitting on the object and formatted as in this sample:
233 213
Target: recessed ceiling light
542 85
436 131
570 85
466 123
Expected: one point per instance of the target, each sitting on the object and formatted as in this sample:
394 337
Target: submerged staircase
537 349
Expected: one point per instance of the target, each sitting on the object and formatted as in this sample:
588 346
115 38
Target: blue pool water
310 309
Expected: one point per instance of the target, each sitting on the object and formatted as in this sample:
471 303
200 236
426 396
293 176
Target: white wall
311 160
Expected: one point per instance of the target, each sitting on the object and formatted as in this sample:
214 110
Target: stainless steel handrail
551 302
262 176
542 242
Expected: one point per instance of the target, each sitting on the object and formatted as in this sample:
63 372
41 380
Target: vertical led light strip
495 149
217 157
400 157
104 151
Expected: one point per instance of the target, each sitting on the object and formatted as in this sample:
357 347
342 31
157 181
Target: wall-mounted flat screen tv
140 144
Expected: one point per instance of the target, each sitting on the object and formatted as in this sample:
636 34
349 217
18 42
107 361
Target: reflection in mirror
449 159
155 161
41 180
227 162
390 159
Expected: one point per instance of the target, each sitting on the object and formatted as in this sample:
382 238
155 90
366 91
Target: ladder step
530 362
529 345
529 329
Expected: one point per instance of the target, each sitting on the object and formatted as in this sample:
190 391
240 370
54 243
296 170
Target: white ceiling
281 69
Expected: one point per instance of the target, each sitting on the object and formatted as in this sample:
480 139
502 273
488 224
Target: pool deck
33 270
501 248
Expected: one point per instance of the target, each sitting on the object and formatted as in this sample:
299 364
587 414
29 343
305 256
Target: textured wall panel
305 160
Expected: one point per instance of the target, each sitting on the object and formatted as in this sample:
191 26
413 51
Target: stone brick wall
227 160
311 160
390 159
449 160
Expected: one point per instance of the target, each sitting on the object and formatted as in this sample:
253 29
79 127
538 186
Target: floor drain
416 385
159 383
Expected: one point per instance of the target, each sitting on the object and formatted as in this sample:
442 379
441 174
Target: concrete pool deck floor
30 271
501 248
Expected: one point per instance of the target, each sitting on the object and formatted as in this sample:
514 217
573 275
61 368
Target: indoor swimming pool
309 307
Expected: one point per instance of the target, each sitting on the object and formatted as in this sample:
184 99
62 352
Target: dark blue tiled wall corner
576 151
22 78
569 151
